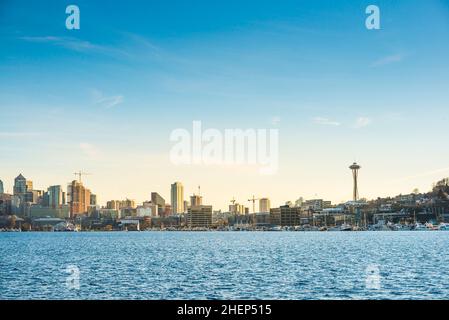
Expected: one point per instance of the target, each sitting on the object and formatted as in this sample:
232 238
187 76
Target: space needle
355 171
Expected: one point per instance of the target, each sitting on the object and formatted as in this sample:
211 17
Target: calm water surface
226 265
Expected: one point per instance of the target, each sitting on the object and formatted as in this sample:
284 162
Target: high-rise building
93 199
112 205
29 185
125 205
264 205
237 208
199 216
20 185
55 197
157 200
196 200
177 198
78 197
33 196
1 187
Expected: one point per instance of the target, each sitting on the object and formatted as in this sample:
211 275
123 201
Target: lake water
225 265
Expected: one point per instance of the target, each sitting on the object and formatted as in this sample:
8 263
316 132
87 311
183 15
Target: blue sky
106 97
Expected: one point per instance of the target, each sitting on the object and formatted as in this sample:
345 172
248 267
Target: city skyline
57 196
110 94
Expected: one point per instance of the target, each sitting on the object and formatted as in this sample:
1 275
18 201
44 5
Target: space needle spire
355 171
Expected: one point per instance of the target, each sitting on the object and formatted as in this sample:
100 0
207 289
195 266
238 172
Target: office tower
112 205
147 209
177 198
127 204
156 199
314 204
93 200
20 185
78 197
196 200
33 196
237 208
1 187
168 211
199 216
55 197
264 205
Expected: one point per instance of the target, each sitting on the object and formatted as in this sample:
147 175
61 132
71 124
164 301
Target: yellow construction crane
80 173
254 203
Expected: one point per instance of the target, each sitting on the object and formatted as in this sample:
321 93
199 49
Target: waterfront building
316 204
199 216
262 219
157 200
285 216
264 205
177 198
106 213
1 187
147 209
78 198
5 204
39 211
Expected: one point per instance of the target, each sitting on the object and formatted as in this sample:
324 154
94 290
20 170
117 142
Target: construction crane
254 203
80 173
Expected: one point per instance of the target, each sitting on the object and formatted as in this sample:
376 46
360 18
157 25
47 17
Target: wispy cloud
325 122
89 150
276 120
18 134
76 44
362 122
423 174
130 46
104 101
388 60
